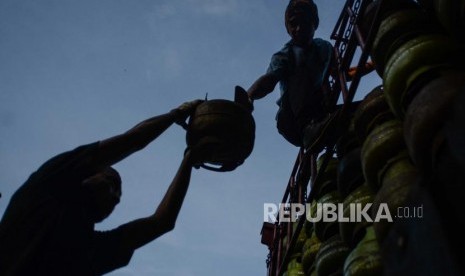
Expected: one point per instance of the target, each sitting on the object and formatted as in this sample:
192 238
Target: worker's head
105 192
301 19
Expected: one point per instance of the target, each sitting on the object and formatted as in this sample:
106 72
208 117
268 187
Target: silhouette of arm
142 231
263 86
115 149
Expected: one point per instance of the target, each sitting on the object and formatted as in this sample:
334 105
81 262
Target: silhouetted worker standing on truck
301 67
48 226
306 115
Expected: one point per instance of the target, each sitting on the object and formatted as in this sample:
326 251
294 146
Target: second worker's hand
203 152
185 110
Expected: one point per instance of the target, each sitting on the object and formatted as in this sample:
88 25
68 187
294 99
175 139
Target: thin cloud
214 7
163 11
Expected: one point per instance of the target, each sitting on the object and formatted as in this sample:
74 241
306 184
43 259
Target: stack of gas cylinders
408 132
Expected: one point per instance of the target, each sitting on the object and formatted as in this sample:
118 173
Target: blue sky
74 72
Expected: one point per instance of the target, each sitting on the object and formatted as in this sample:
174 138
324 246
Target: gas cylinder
397 179
426 115
349 172
384 142
325 229
331 256
309 251
414 59
365 259
451 14
229 127
351 230
397 29
372 111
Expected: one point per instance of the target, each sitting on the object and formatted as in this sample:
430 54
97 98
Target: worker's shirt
47 228
301 73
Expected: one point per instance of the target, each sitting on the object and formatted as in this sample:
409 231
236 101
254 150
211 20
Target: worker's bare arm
262 86
114 149
142 231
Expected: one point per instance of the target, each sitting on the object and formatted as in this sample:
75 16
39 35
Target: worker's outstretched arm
114 149
142 231
262 86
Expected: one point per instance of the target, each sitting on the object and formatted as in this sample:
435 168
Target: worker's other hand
366 69
204 151
185 110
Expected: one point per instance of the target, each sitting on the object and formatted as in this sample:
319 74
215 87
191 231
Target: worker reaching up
302 68
48 226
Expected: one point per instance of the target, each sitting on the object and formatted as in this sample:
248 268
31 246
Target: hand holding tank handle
241 97
227 127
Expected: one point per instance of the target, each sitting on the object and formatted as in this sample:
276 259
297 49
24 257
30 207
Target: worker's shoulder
285 49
